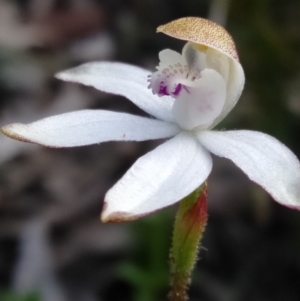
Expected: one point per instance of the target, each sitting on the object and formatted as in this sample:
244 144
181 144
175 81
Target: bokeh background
53 246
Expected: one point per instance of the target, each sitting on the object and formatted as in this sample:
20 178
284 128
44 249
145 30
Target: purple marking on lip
163 90
177 90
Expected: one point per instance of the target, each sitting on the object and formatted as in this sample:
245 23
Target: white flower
191 93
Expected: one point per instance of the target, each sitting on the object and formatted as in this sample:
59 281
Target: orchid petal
121 79
158 179
199 105
233 74
89 127
264 159
230 69
201 32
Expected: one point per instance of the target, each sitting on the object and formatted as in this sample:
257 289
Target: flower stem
188 229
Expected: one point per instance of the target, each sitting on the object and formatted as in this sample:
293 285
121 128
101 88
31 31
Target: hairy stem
188 229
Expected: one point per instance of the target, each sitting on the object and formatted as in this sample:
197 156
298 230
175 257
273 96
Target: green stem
188 229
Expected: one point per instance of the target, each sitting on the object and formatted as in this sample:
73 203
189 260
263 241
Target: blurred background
53 246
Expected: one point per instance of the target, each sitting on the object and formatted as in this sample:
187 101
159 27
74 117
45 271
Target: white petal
158 179
201 104
233 74
264 159
218 61
90 127
121 79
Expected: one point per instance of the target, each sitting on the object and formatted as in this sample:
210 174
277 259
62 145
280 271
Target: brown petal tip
119 216
203 32
6 130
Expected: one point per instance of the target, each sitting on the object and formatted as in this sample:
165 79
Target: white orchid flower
189 94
